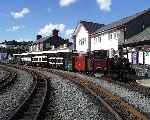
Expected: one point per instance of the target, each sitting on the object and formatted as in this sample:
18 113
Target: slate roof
142 36
53 40
91 26
122 21
41 40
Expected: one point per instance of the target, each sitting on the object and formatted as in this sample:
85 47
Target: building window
85 40
94 39
82 41
118 35
115 35
99 39
110 36
79 42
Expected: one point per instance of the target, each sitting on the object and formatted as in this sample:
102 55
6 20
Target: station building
128 37
117 36
49 42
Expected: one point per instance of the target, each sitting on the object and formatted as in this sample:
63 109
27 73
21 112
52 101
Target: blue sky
24 19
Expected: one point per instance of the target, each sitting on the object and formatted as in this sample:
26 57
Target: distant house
49 42
81 35
3 45
10 44
3 56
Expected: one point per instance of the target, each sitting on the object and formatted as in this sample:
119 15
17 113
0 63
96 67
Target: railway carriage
92 62
56 62
26 60
39 61
59 59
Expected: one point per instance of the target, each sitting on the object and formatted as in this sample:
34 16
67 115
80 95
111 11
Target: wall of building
82 40
107 40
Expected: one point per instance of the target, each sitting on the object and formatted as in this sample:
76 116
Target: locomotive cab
121 70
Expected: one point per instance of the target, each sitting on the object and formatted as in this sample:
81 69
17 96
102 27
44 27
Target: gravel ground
138 100
2 73
69 102
9 99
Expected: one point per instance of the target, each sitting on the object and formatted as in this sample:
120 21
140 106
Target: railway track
92 104
7 79
136 87
31 105
133 86
3 73
119 108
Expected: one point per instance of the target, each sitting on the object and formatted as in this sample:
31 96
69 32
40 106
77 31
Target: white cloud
105 4
49 9
20 14
47 29
68 33
24 39
14 28
64 3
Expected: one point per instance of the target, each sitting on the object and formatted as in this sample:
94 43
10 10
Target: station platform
144 82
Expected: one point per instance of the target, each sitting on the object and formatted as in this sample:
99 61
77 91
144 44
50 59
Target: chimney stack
55 32
38 37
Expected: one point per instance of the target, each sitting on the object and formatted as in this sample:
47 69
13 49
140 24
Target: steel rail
97 91
33 102
108 107
117 116
8 79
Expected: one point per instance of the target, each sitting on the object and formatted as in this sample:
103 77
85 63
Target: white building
88 37
106 40
82 35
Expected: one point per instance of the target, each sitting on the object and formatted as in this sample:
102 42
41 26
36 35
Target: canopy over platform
143 38
55 51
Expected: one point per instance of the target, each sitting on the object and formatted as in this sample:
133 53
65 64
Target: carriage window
39 59
61 60
44 59
53 60
34 59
